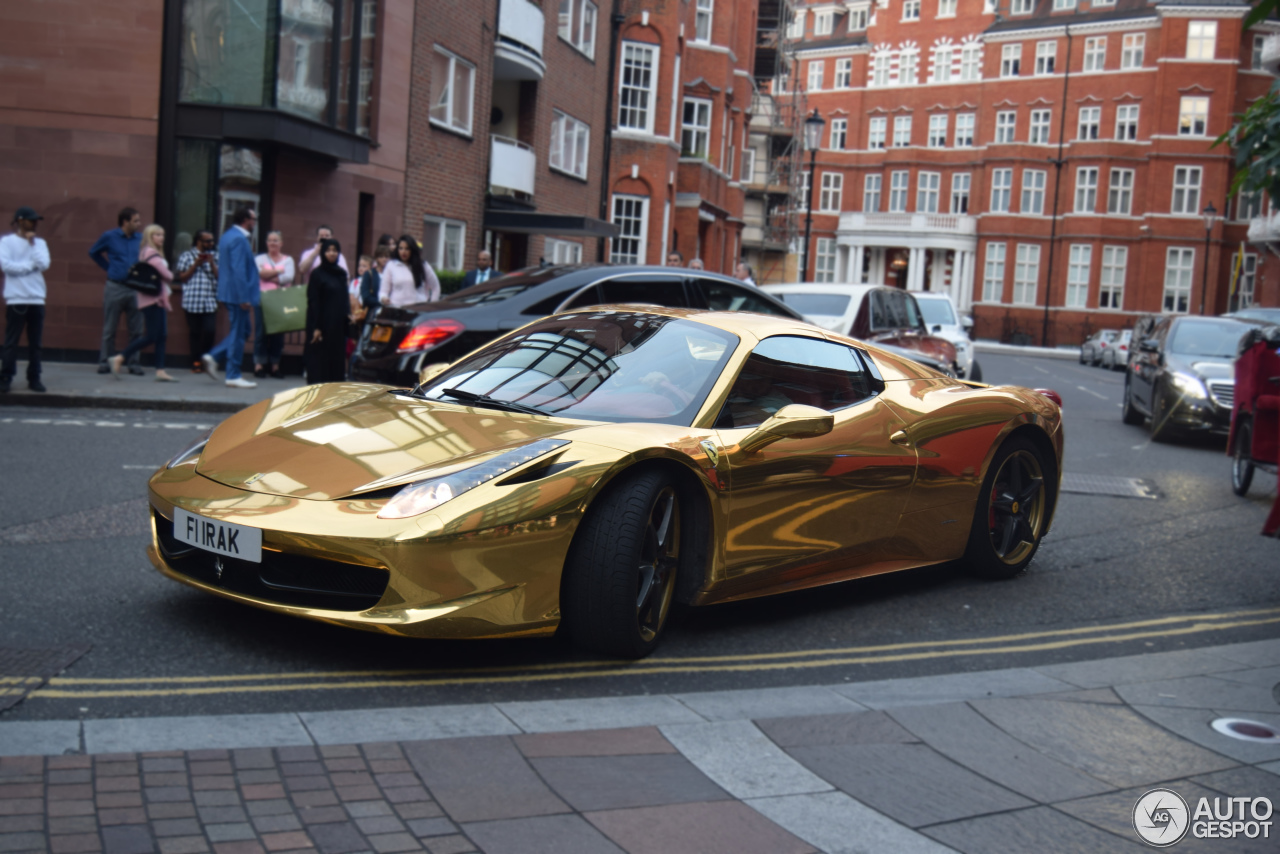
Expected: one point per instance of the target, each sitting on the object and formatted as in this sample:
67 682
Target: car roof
919 295
737 322
824 288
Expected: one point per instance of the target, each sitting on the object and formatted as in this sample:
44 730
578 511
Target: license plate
214 535
380 334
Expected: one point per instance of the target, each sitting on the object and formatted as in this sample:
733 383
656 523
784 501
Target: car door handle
900 438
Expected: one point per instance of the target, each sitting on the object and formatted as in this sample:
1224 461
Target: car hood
1204 367
328 441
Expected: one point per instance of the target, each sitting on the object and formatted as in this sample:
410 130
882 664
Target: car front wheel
1161 429
1128 414
620 575
1242 460
1012 512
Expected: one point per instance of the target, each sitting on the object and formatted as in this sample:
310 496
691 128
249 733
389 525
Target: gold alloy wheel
659 557
1017 509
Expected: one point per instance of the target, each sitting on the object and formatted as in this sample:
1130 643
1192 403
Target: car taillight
1051 394
429 333
1124 346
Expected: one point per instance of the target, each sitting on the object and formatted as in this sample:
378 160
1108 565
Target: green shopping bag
284 310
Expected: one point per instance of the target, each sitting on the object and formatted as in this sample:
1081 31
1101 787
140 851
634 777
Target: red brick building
683 95
1020 154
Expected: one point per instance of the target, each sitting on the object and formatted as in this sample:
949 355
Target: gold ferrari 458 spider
586 471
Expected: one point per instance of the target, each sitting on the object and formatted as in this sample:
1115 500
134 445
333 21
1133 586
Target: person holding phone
197 273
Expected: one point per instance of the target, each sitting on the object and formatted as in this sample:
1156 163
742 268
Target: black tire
1012 511
1242 459
1161 429
620 576
1128 414
1082 355
975 373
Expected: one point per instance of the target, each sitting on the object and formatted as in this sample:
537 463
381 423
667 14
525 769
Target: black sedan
399 342
1181 375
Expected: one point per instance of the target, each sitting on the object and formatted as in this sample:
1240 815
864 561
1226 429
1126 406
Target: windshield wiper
486 400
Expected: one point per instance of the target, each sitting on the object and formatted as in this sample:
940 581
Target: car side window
879 311
911 312
722 296
790 369
660 290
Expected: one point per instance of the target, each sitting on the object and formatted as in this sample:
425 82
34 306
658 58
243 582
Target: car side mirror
1149 345
967 322
937 327
794 420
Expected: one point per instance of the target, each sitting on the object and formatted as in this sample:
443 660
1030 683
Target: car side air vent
538 472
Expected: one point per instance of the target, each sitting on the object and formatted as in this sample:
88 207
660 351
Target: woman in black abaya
328 307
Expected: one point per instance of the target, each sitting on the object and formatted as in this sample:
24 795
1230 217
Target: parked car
397 343
1180 375
942 319
567 477
875 313
1116 355
1091 349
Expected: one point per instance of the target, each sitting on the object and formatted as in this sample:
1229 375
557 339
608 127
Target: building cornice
1121 25
1202 11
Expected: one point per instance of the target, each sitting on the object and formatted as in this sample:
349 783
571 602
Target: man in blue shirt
239 289
115 252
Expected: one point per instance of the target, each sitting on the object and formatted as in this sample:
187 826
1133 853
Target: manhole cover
24 670
1103 484
1246 730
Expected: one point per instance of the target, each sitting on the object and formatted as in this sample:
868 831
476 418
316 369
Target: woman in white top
275 270
408 279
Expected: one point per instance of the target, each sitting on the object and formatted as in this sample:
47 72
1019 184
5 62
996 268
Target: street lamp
812 139
1210 213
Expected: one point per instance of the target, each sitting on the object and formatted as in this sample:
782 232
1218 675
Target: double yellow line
270 683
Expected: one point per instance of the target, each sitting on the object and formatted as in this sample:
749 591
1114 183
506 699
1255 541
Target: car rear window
829 304
937 311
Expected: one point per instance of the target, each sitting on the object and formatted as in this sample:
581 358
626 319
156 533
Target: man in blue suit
484 270
239 290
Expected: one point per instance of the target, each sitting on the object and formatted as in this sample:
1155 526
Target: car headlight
424 495
190 452
1188 385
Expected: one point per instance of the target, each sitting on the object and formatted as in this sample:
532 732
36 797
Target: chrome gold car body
892 484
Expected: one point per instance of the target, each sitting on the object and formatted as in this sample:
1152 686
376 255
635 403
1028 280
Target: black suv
398 342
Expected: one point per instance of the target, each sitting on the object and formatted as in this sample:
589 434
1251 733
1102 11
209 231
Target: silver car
1116 356
1091 349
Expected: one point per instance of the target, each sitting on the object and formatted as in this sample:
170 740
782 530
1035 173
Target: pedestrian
23 258
239 291
675 258
275 270
743 273
484 270
371 281
154 308
311 258
197 272
328 312
696 264
115 252
408 279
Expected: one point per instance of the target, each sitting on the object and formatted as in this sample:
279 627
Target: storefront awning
566 225
259 125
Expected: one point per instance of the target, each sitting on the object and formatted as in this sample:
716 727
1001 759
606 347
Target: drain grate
1102 484
24 670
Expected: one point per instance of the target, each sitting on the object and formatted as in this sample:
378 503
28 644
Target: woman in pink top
275 270
408 279
153 308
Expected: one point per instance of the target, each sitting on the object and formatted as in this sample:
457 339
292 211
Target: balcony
936 231
512 166
518 55
1271 53
1265 229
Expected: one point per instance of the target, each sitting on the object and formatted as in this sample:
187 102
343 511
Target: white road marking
35 421
108 424
1092 392
148 468
1040 369
72 422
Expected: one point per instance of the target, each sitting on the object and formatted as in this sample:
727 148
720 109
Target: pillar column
937 270
915 269
876 272
855 265
965 291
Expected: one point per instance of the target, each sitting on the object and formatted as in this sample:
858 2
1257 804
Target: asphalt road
1116 576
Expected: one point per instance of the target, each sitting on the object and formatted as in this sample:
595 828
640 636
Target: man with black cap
24 258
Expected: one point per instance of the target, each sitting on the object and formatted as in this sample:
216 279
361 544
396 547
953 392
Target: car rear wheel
1128 414
620 575
1242 460
1012 512
1082 355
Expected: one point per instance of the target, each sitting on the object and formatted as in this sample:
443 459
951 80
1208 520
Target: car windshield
937 311
829 304
1218 338
598 366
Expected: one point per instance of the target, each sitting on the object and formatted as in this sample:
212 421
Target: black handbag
145 279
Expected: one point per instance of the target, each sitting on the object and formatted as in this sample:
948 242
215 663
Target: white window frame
691 132
910 10
993 272
961 183
937 131
1041 125
928 191
1079 263
908 67
1179 268
946 8
877 132
825 254
1086 195
1006 126
859 18
1133 49
1011 60
880 68
1127 122
966 126
1193 115
558 251
1247 286
1095 53
637 211
899 186
577 25
817 71
1120 192
844 73
901 131
1021 7
831 192
748 165
824 23
1001 190
702 21
839 134
447 96
648 95
571 135
1063 5
1089 123
1111 281
1255 56
1033 184
871 187
1202 39
1026 274
943 62
795 30
1046 58
1188 181
971 62
450 243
